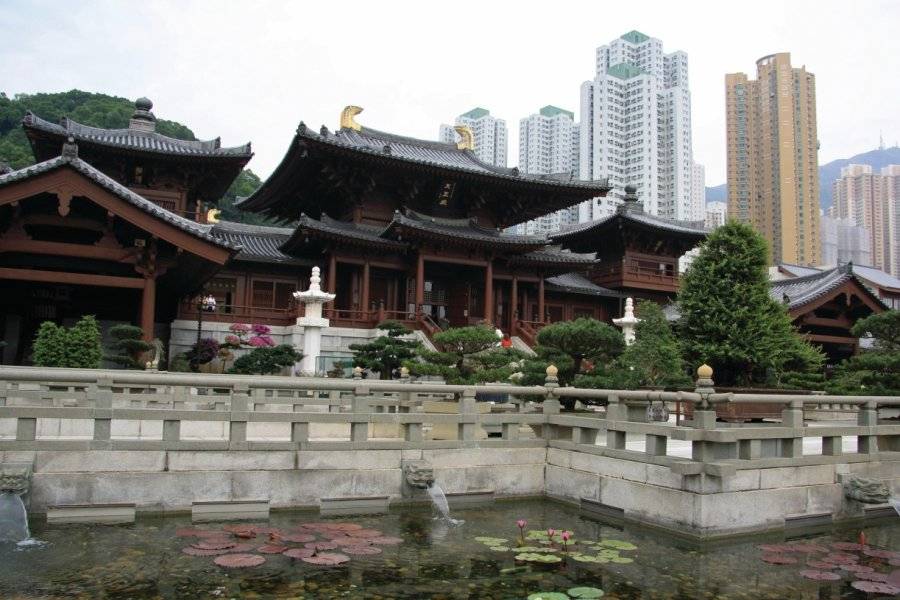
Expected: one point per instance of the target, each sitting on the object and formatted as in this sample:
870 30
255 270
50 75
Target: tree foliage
654 359
876 371
728 319
76 347
467 355
127 346
266 360
388 352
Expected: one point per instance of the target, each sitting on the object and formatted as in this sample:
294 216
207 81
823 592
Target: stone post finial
404 373
357 372
552 380
704 385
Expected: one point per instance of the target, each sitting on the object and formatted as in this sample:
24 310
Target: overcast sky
253 70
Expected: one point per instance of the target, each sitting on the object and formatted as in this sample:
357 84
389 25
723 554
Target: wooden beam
841 322
67 249
71 278
832 339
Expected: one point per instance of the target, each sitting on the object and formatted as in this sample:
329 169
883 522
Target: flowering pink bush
260 329
262 341
232 340
239 328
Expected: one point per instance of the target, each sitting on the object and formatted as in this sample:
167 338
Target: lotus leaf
618 544
585 592
548 596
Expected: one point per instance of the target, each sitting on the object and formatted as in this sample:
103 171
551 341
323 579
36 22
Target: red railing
528 330
234 313
636 273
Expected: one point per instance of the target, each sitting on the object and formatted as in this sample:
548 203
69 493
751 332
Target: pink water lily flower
521 523
566 536
551 533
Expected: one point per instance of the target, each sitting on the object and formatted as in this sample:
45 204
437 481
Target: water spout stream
13 518
439 500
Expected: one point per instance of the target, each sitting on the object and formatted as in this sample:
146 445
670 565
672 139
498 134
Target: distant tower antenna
880 141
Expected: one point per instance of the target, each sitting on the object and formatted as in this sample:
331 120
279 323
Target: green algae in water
435 561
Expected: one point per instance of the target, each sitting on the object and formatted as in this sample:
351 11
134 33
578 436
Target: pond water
409 554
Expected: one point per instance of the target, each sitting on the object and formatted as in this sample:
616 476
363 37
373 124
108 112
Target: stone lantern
312 322
628 322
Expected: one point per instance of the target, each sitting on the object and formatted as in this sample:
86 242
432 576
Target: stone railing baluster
102 395
468 416
868 417
240 401
360 407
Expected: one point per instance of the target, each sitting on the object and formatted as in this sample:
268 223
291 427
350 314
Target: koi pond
536 549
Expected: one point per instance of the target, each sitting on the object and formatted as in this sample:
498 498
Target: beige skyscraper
773 166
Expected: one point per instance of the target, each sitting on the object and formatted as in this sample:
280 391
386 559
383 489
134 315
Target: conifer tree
128 346
876 371
728 319
467 355
49 348
83 348
386 353
654 359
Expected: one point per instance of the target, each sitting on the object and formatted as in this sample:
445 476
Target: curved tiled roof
135 139
642 218
259 243
555 255
111 185
800 291
575 283
467 229
347 232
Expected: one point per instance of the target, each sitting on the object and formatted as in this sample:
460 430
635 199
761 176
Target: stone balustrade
696 472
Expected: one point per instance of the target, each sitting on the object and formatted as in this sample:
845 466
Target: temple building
117 223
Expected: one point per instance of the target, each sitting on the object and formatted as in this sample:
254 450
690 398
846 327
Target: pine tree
388 352
728 319
49 348
876 371
467 355
83 348
654 359
127 346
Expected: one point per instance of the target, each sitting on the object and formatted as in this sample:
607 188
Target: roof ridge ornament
467 138
347 120
70 148
143 119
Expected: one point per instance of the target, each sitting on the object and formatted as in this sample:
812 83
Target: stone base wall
753 500
171 481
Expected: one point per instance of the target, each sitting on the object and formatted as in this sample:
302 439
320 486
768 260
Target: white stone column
312 323
628 322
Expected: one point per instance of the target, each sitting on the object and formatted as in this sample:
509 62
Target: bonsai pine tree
388 352
127 346
266 360
654 359
467 355
573 347
876 371
728 319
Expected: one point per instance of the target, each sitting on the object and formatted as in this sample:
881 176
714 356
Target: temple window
271 294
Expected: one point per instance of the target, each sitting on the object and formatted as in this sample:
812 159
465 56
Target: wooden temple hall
121 224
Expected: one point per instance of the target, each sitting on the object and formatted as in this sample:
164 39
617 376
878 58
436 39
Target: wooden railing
235 313
527 330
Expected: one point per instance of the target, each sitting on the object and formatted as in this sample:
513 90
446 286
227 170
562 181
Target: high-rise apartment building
773 167
489 132
636 127
843 241
548 143
859 196
890 189
698 192
716 214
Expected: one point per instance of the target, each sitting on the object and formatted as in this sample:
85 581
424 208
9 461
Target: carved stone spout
867 491
418 474
15 478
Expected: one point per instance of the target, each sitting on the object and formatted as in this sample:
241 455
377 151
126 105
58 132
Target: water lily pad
816 575
214 545
548 596
538 558
855 568
840 559
819 564
847 546
500 548
587 558
885 554
299 552
361 550
365 533
191 551
491 541
875 587
297 538
271 549
621 560
618 544
585 592
343 540
778 559
385 540
321 545
326 559
236 561
242 548
882 577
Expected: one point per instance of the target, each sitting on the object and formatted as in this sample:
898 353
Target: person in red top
506 342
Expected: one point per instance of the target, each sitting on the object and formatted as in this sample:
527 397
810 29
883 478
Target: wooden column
513 305
365 288
331 282
541 310
148 307
489 292
526 306
420 283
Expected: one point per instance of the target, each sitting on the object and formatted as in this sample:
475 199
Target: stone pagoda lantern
312 322
628 322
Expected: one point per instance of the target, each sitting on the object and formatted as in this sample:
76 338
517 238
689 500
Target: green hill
98 110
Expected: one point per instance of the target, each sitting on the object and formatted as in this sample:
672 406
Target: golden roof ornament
467 138
347 121
212 215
